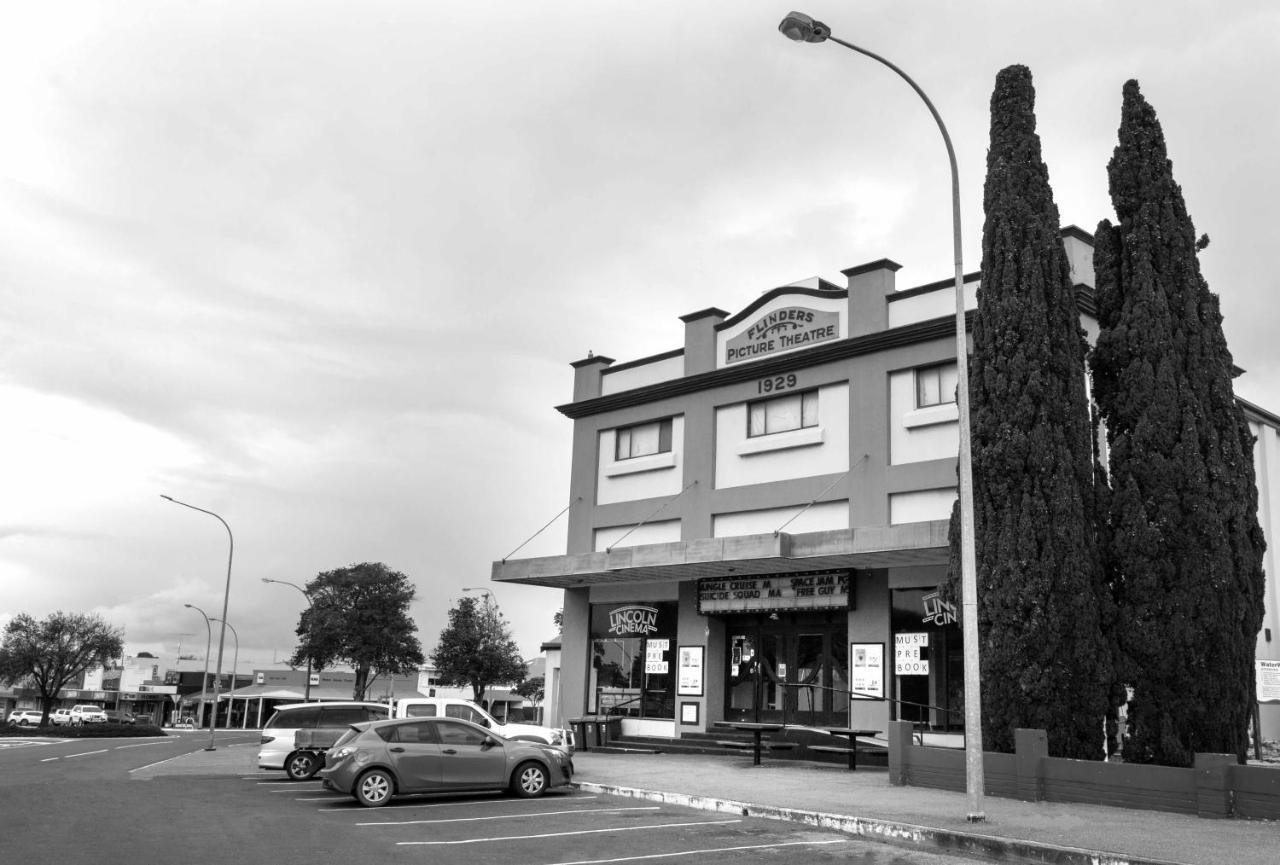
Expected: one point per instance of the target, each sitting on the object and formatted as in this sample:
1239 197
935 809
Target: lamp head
799 27
188 606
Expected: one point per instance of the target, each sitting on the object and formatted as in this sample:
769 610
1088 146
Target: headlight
558 738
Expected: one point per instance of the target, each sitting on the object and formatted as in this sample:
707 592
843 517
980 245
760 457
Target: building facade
758 519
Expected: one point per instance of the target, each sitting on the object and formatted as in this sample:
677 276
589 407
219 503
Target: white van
278 749
455 707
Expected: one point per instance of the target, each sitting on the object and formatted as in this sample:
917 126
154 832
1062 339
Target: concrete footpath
864 803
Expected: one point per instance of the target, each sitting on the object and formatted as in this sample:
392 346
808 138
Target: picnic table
853 734
757 731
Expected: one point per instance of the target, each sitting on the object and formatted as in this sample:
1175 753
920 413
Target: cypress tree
1183 543
1044 661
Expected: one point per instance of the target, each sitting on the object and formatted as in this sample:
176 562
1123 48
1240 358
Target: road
167 800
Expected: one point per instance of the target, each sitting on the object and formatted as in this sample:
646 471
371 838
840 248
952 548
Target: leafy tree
53 652
1044 662
359 615
476 649
532 689
1184 540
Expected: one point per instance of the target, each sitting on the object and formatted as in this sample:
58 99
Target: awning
922 543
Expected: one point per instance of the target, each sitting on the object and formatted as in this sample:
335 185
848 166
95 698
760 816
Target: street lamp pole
222 632
311 623
235 666
489 595
801 28
204 680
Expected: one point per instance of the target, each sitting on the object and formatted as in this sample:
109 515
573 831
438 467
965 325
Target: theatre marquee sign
782 330
826 590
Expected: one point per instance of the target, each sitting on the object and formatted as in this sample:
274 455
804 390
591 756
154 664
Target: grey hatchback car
376 761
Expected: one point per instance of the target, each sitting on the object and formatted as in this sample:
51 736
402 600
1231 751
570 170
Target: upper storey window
782 414
642 440
936 385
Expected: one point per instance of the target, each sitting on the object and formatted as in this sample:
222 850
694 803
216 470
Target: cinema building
758 518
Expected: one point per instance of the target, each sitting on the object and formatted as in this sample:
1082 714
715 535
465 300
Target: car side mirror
489 742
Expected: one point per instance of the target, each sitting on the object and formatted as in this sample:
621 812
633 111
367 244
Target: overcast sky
321 267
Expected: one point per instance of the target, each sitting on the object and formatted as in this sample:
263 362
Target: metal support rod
222 632
799 27
208 643
311 624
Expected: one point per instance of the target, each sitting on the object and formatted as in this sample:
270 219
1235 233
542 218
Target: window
782 414
459 734
936 385
423 733
643 440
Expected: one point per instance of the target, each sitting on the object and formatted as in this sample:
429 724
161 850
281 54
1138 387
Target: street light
311 621
235 665
207 643
222 632
489 595
801 28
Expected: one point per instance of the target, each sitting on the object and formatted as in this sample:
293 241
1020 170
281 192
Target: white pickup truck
455 707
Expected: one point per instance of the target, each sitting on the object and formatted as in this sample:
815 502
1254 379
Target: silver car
378 760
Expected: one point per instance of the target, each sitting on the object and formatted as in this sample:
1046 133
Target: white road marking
85 753
703 852
50 759
563 834
139 745
511 816
401 806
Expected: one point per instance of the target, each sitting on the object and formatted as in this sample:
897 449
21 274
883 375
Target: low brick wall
1215 787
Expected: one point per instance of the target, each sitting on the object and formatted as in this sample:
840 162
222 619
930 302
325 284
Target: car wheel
301 766
24 722
529 780
374 788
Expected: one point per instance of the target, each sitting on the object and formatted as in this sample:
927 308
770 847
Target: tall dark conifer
1044 661
1184 541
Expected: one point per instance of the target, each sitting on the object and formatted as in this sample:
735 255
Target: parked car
115 716
25 717
456 707
88 714
374 762
59 717
321 724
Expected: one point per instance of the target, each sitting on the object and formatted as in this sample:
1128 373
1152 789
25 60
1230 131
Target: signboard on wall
782 330
819 590
1268 681
907 658
689 680
866 671
655 656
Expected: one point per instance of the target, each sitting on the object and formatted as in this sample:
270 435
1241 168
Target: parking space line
140 745
512 816
563 834
85 753
469 804
703 852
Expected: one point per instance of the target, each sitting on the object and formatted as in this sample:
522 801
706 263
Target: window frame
937 370
665 426
803 395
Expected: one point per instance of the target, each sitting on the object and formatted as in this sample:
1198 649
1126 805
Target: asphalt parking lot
171 799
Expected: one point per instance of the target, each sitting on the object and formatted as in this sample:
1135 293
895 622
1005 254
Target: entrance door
791 670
